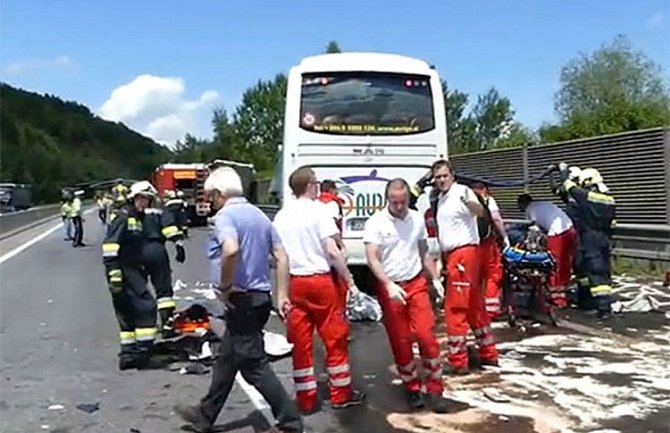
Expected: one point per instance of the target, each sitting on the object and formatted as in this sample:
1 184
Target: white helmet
589 176
574 172
169 194
143 188
180 194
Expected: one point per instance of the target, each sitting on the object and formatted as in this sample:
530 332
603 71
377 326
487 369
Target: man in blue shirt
239 246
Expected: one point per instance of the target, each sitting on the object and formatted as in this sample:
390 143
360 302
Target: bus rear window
366 103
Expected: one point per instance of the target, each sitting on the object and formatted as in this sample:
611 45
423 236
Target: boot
167 323
437 403
194 416
415 399
603 305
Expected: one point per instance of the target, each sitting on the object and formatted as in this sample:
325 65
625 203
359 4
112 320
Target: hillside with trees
50 143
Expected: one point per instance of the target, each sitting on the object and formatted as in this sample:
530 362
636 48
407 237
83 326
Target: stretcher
527 267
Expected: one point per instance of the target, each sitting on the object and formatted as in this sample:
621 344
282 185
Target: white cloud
156 106
22 67
656 21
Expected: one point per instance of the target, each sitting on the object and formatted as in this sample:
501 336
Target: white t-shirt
398 240
548 216
303 225
333 210
492 205
457 225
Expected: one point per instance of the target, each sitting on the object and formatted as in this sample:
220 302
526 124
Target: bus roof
381 62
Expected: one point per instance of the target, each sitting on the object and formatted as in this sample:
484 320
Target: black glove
181 253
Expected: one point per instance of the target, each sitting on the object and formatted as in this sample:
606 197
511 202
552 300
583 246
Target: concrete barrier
16 222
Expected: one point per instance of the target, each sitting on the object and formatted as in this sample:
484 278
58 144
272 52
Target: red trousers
492 274
562 248
464 307
317 304
404 323
342 287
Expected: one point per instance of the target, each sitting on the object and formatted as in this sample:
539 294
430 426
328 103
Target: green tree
191 149
493 115
51 143
259 121
516 136
333 47
460 128
226 144
612 90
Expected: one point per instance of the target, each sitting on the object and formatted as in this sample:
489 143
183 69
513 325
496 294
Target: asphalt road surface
58 345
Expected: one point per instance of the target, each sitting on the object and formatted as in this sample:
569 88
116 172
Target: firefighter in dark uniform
134 305
175 205
582 297
119 198
595 211
159 226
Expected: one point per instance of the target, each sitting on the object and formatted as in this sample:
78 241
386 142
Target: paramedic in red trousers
492 236
333 205
309 236
457 210
239 245
560 242
397 253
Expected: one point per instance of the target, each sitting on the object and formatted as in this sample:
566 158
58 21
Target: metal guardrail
635 241
16 222
13 223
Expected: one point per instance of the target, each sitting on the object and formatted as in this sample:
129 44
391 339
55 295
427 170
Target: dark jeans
78 230
242 350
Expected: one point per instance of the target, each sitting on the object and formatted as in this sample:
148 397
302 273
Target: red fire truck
188 178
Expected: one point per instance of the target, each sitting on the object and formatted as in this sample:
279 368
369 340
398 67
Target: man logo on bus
361 204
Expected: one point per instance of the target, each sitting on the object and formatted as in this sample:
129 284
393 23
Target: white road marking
29 243
255 396
34 240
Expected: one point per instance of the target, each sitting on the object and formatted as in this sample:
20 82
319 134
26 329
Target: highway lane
58 347
58 340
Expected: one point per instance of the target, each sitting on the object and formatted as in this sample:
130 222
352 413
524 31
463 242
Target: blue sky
193 56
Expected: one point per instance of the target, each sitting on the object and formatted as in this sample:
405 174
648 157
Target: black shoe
437 403
193 415
127 362
143 360
356 399
415 400
489 363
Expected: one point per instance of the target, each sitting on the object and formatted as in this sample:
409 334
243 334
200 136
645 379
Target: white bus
361 119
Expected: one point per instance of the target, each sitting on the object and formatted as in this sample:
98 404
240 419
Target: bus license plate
357 224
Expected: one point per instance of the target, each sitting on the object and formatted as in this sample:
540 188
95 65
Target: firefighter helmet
589 176
143 188
574 172
169 194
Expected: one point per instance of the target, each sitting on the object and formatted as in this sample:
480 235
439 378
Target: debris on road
495 395
276 345
194 368
56 407
205 353
363 308
89 407
642 303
